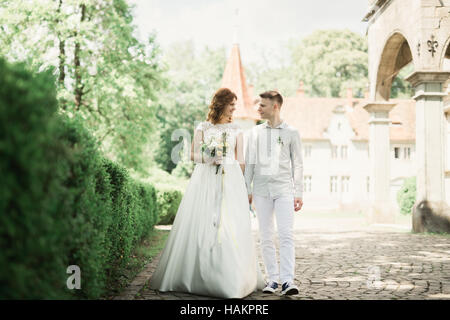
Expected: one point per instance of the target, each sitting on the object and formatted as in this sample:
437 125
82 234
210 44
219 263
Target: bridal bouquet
216 147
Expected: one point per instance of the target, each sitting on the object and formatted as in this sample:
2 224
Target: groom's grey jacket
273 161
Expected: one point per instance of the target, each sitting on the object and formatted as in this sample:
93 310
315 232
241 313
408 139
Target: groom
273 161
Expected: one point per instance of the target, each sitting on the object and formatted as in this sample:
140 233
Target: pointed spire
234 79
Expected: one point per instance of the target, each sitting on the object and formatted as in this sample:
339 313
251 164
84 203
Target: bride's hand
209 160
218 160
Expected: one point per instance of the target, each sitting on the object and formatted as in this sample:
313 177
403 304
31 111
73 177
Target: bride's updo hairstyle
221 99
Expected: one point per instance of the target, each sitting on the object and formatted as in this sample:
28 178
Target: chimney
366 94
349 94
300 91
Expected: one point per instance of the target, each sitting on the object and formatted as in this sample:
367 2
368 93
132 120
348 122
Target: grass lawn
149 247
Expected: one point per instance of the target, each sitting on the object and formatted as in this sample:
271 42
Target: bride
210 249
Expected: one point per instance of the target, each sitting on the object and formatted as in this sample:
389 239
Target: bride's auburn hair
222 98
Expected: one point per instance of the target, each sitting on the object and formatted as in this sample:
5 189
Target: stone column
430 130
379 149
446 153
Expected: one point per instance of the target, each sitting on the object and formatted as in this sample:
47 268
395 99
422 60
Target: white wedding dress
210 249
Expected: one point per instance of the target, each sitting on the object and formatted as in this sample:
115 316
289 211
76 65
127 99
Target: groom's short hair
273 96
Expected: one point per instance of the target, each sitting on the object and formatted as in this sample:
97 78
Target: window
397 153
334 151
344 152
345 184
407 153
307 151
307 183
333 184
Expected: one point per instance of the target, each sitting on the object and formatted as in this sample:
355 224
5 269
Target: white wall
321 166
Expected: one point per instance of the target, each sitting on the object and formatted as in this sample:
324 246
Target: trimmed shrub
406 196
33 261
168 202
169 190
87 211
62 203
184 169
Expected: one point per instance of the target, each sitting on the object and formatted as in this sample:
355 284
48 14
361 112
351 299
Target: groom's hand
298 203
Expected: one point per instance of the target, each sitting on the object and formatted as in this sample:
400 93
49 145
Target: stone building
335 137
336 155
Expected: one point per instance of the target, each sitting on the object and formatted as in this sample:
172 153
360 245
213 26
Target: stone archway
445 66
396 54
445 58
416 31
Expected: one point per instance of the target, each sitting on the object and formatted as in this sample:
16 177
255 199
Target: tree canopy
104 72
193 76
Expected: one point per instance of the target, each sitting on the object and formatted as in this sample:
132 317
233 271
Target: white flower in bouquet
216 147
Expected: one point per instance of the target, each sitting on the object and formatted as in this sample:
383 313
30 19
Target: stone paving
368 263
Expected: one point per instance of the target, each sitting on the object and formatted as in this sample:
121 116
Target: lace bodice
216 131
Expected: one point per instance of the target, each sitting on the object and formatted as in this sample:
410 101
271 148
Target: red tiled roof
234 79
311 116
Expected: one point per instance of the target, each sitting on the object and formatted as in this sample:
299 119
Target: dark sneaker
289 289
271 287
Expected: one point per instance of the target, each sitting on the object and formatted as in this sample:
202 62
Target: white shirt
273 161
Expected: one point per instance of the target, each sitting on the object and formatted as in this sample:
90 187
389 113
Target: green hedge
169 192
406 196
62 203
168 202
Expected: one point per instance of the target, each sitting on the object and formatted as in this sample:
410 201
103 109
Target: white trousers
283 207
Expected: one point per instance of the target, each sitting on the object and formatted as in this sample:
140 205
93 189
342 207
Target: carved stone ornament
432 45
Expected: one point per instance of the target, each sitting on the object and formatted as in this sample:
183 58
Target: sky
261 24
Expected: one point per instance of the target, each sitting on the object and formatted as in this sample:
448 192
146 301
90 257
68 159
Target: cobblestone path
350 265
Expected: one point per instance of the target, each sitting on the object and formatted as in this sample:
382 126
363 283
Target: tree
401 88
104 73
193 79
327 61
330 61
273 72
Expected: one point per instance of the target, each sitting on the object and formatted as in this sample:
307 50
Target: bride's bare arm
239 151
196 150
